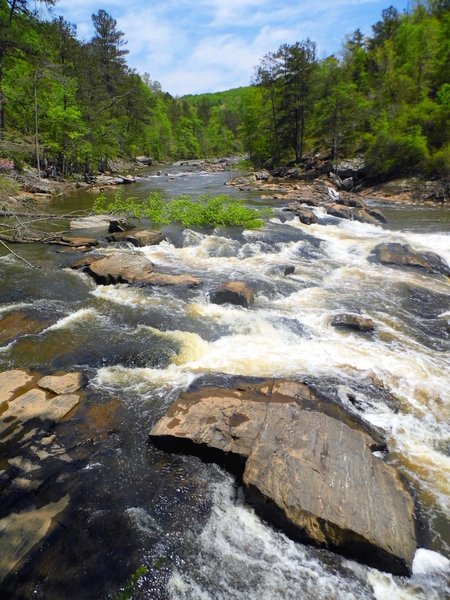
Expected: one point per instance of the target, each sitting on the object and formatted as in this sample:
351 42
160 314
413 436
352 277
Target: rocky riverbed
310 362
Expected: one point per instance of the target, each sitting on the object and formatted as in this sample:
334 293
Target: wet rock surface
31 407
305 215
405 256
130 267
92 222
307 466
18 323
233 292
353 322
138 238
121 268
119 225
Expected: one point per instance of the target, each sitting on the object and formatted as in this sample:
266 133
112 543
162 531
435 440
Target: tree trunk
36 127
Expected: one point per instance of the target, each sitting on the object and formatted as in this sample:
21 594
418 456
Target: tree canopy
76 104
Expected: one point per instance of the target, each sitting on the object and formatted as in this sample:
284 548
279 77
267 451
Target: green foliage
397 153
8 186
388 95
130 587
205 211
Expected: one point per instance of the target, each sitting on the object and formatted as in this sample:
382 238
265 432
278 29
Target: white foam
74 319
427 561
254 561
14 306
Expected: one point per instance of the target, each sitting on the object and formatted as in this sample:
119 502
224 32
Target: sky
199 46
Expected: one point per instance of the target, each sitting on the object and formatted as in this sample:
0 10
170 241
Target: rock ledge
307 466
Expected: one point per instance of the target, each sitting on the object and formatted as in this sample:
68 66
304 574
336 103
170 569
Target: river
132 504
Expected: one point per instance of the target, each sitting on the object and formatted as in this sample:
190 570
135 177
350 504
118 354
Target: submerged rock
350 321
138 238
234 292
404 255
307 466
18 323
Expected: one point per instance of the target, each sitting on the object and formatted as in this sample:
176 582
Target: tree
298 76
9 40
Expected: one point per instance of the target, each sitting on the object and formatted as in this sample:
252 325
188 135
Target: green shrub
205 211
439 163
8 186
392 153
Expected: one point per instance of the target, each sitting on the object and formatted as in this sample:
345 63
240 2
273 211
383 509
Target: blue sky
211 45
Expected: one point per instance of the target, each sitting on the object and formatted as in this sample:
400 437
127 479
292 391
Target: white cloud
215 44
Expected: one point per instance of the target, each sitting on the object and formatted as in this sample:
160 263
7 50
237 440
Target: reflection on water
183 519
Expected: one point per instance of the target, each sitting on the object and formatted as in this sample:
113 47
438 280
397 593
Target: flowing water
132 504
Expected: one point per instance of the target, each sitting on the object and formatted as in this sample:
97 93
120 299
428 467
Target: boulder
335 180
350 200
233 292
307 466
305 215
349 209
342 212
373 212
288 270
243 180
347 184
120 268
404 255
351 321
354 167
137 238
262 175
363 216
144 160
134 267
118 225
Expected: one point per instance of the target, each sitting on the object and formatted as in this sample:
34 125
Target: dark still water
129 505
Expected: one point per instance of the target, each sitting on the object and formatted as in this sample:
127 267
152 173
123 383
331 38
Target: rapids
132 504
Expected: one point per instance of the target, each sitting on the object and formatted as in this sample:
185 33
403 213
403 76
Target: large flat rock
66 383
121 268
92 222
130 267
22 531
405 256
11 382
308 466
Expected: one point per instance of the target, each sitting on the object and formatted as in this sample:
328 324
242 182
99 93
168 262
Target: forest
72 106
